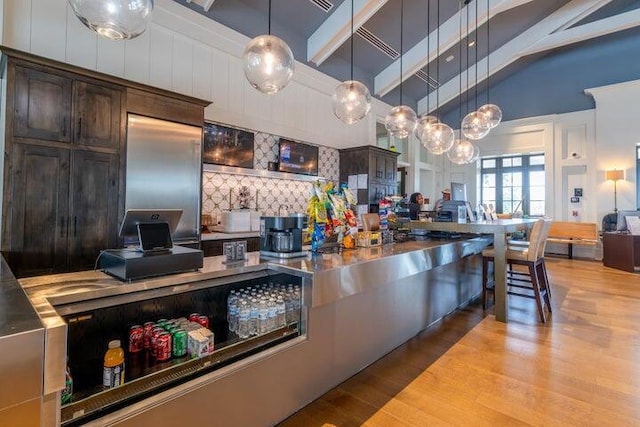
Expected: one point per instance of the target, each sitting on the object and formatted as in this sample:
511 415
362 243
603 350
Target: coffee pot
281 234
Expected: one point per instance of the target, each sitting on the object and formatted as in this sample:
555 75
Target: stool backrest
544 236
537 239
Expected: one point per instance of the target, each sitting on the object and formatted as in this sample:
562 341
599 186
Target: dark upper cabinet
42 105
378 164
97 112
36 217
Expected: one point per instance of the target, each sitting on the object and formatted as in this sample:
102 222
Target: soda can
136 339
154 340
204 321
163 347
148 329
193 317
162 322
180 342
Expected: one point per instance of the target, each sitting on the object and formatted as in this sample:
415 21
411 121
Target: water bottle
244 314
263 316
296 306
232 311
253 323
281 311
272 309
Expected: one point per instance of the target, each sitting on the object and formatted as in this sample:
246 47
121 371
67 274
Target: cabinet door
97 115
390 169
42 105
93 223
38 210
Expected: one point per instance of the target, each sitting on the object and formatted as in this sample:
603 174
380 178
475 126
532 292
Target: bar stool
532 283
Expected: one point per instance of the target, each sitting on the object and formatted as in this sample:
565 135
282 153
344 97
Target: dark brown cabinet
42 106
62 180
380 167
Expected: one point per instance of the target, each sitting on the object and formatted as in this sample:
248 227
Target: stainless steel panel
21 368
27 414
164 170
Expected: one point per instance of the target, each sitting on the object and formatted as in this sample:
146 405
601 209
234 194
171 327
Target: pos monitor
134 217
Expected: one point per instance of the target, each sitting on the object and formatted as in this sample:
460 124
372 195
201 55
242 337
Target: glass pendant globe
268 64
492 114
475 126
401 121
439 139
351 101
461 152
476 154
114 19
425 123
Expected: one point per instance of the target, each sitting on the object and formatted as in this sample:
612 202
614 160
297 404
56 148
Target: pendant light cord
475 64
352 40
401 32
460 77
438 58
488 50
269 18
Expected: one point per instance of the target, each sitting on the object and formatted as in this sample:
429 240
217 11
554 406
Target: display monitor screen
296 157
458 191
133 217
154 236
227 146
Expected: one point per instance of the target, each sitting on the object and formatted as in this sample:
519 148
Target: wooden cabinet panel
93 223
38 210
97 115
379 165
42 105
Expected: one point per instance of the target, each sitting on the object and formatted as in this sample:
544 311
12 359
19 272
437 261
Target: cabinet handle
75 225
61 226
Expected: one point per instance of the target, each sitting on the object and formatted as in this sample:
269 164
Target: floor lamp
614 175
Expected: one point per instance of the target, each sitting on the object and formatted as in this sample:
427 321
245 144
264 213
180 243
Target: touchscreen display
154 236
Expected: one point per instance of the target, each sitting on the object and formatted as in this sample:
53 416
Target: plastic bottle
253 322
281 310
113 373
67 391
232 311
263 316
244 317
272 310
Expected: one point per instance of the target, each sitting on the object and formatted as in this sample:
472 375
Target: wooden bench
573 233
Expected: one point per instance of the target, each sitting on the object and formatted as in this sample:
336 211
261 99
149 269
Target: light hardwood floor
581 368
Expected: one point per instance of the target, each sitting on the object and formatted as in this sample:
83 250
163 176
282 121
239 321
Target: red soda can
163 347
146 337
136 339
193 317
204 321
155 333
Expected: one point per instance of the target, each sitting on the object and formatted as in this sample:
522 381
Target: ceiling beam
337 28
450 34
517 48
205 4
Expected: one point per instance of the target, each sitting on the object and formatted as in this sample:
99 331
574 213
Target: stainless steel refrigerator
164 171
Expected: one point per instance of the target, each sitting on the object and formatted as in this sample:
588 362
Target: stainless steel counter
437 269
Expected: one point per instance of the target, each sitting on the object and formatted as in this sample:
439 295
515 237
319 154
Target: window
638 175
514 183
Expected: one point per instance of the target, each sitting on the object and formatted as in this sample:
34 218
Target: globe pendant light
476 154
492 113
114 19
475 125
401 120
351 99
462 152
439 139
268 62
425 124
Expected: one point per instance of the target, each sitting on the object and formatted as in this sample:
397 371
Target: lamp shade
114 19
351 101
268 64
614 175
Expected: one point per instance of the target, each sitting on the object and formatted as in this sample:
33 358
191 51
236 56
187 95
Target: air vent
378 43
323 4
427 79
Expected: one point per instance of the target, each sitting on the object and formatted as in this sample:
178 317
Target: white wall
187 53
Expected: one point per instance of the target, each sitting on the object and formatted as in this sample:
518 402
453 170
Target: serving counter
355 307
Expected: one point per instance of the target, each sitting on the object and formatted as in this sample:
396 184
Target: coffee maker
281 236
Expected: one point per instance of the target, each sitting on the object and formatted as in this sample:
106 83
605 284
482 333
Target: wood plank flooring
581 368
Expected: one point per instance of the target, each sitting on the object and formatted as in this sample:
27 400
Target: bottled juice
113 374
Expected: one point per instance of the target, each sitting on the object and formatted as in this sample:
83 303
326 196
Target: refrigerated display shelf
93 403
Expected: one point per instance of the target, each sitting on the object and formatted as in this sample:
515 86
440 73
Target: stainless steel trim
260 173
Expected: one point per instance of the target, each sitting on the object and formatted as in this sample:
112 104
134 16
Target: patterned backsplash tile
221 191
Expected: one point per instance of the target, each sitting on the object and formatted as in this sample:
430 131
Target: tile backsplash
220 191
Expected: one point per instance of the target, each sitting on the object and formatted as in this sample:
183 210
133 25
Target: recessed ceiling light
472 43
449 58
